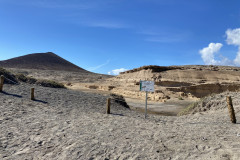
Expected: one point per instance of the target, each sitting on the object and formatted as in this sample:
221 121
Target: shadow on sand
9 94
115 114
37 100
18 96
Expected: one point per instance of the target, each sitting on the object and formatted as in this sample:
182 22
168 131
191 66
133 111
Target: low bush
180 98
188 109
50 83
23 78
9 77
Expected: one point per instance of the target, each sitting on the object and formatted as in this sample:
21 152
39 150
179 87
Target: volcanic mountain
42 61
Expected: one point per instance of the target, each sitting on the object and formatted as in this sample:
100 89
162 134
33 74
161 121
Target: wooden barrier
32 94
108 105
1 83
231 109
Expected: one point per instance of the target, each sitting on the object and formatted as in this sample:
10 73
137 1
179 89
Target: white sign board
147 86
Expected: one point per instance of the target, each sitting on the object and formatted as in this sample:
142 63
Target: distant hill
44 61
175 82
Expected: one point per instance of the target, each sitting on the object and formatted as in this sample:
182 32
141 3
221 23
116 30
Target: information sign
147 86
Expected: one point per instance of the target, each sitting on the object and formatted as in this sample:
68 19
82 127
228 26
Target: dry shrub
50 83
23 78
180 98
9 77
188 109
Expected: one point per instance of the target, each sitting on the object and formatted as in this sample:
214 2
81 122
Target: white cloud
208 53
117 71
233 37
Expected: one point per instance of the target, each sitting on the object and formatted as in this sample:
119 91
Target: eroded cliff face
174 82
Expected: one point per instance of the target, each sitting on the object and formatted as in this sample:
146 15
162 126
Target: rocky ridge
179 82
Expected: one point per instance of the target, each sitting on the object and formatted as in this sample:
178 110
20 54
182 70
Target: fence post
108 105
231 109
32 94
1 83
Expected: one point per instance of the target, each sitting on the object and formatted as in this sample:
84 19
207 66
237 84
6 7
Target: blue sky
107 36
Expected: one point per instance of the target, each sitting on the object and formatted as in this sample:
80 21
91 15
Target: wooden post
32 94
231 109
108 105
1 83
146 105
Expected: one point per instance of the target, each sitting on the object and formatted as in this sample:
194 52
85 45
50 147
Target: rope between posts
60 93
10 80
41 89
112 99
115 99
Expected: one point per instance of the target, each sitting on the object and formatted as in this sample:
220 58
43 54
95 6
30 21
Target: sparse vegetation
41 82
22 78
50 83
10 78
188 109
180 98
3 71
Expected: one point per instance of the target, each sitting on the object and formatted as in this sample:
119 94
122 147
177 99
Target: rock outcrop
175 81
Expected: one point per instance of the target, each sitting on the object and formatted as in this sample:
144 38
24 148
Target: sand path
66 124
169 108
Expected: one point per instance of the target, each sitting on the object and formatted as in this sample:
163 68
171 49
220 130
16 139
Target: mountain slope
44 61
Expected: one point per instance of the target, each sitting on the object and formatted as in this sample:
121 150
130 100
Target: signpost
147 86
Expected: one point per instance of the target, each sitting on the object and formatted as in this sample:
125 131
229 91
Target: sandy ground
169 108
67 124
61 76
